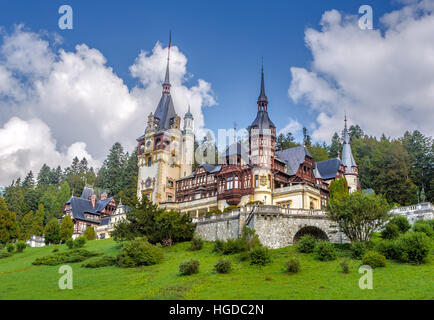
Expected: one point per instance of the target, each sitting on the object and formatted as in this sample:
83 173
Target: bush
189 267
307 244
358 249
402 223
232 246
196 244
413 247
425 226
391 231
260 256
89 233
5 254
80 242
292 265
218 246
55 250
387 248
139 252
325 251
345 266
70 243
250 238
374 259
105 261
10 248
243 256
21 245
223 266
76 255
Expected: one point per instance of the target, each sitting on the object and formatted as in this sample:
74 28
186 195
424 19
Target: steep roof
80 206
328 168
262 121
165 111
293 157
210 168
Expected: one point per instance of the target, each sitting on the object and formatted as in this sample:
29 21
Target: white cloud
79 97
293 126
27 145
383 81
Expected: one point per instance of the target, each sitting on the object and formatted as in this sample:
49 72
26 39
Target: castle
257 174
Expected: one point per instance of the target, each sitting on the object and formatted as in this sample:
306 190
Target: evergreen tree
52 232
338 188
306 138
9 229
29 181
44 176
14 197
318 152
335 147
285 141
38 221
113 169
356 132
26 226
90 233
66 229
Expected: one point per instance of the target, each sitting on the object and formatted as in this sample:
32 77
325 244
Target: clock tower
160 149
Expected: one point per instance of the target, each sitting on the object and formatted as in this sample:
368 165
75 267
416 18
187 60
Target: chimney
103 196
93 198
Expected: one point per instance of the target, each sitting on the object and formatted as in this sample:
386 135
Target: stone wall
275 226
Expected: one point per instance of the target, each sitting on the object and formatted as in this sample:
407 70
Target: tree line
401 169
28 205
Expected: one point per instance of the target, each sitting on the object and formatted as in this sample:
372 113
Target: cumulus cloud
383 80
27 145
293 126
81 101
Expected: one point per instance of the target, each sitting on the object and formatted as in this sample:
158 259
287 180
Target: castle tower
187 144
159 149
351 170
262 139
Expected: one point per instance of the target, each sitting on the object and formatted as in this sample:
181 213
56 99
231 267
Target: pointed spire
347 156
262 99
166 83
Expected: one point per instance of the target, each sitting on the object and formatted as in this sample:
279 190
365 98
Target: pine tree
335 147
66 229
44 176
29 181
307 141
26 226
52 231
38 221
9 229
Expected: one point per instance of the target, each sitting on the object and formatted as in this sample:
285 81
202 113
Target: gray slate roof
80 206
328 168
262 121
293 157
165 112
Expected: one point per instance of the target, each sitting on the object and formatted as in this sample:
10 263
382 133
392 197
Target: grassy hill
19 279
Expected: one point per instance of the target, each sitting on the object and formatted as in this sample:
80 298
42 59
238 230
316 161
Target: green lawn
19 279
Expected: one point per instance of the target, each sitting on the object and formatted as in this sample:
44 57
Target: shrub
105 261
196 244
260 256
391 231
387 248
292 265
70 243
374 259
189 267
358 249
425 226
10 248
55 250
218 246
79 242
76 255
413 247
345 266
223 266
230 208
250 238
401 222
325 251
307 244
5 254
89 233
232 246
139 252
244 256
21 245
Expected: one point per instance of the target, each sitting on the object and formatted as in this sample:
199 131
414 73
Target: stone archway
313 231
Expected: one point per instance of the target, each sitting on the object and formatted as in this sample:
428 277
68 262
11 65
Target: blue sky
79 95
223 41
